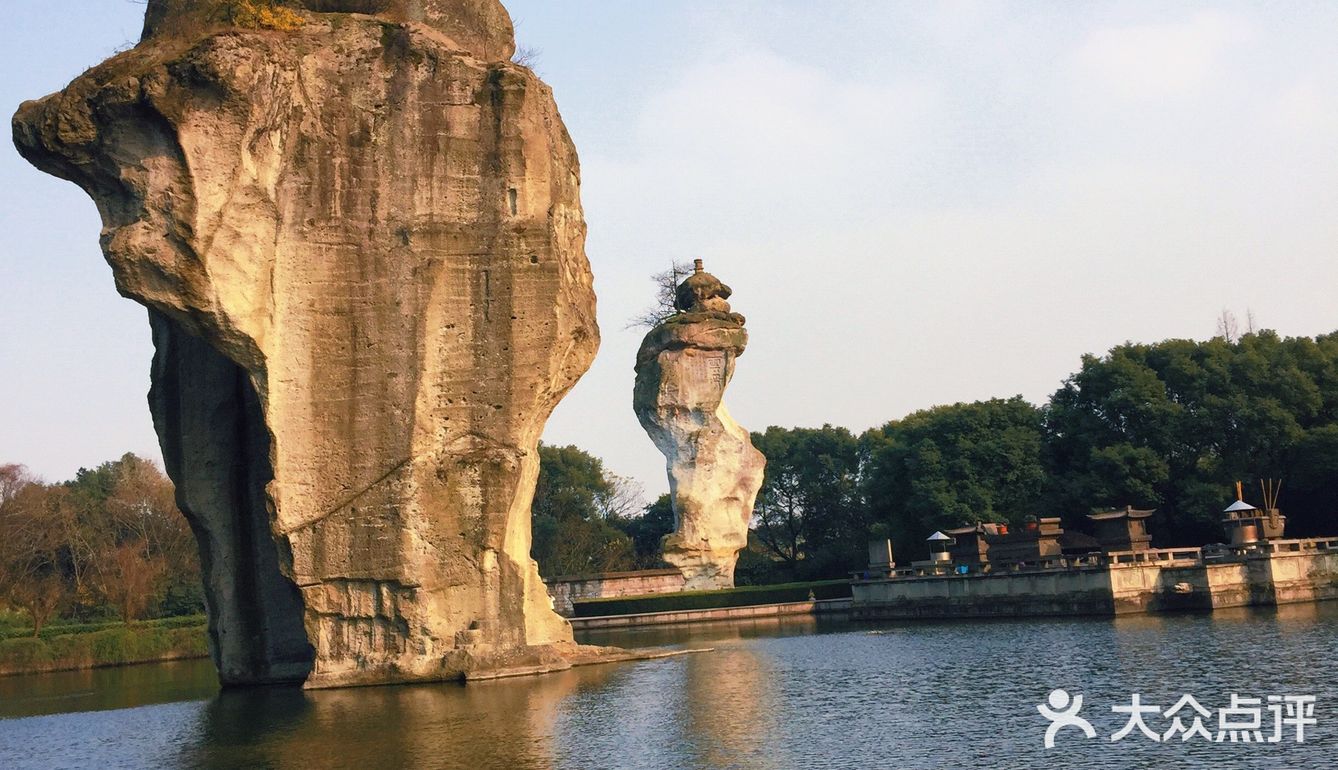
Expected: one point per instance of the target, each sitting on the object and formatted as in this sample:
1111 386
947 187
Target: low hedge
62 629
138 643
709 600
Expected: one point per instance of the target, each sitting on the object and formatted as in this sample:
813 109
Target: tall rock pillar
357 227
682 369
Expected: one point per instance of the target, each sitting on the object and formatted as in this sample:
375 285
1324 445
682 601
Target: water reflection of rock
852 699
702 634
731 708
504 723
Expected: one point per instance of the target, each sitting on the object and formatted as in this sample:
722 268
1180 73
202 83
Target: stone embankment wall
565 590
790 611
1285 572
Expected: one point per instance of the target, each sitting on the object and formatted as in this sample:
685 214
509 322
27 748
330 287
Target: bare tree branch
665 283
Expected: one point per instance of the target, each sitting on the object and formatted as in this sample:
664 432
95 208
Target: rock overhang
362 248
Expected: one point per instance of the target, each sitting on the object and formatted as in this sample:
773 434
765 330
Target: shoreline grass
63 628
96 645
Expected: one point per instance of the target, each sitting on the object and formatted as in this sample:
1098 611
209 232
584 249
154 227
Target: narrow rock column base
540 659
702 570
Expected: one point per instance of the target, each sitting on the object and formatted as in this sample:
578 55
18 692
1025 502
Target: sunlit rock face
682 369
362 249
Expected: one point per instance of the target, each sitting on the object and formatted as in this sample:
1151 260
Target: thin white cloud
1149 61
1306 110
753 125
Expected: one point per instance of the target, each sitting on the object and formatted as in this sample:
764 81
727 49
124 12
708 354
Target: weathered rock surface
362 248
682 369
480 27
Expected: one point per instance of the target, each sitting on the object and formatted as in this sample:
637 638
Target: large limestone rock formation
360 241
682 369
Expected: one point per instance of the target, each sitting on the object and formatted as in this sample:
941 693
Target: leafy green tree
579 514
1174 424
953 465
758 565
570 481
809 515
647 529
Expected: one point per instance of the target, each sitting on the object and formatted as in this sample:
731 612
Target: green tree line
585 520
1171 425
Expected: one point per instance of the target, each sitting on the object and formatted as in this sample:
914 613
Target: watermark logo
1244 720
1063 712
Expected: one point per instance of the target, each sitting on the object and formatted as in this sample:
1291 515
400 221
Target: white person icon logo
1063 712
1241 722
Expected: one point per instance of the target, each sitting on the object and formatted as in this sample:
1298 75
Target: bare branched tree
526 56
113 535
1227 327
12 479
142 506
665 283
130 578
622 499
33 520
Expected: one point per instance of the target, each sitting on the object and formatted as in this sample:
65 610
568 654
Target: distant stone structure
1122 530
987 570
362 249
682 370
568 589
992 543
1246 524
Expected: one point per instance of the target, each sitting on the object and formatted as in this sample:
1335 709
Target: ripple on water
774 694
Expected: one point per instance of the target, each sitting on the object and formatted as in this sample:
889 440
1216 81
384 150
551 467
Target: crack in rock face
362 249
682 370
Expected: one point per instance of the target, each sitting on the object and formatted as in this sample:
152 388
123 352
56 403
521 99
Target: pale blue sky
916 203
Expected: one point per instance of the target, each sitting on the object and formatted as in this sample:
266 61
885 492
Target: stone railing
1167 557
1282 547
1157 556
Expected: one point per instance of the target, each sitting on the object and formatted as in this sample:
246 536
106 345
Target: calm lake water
772 695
